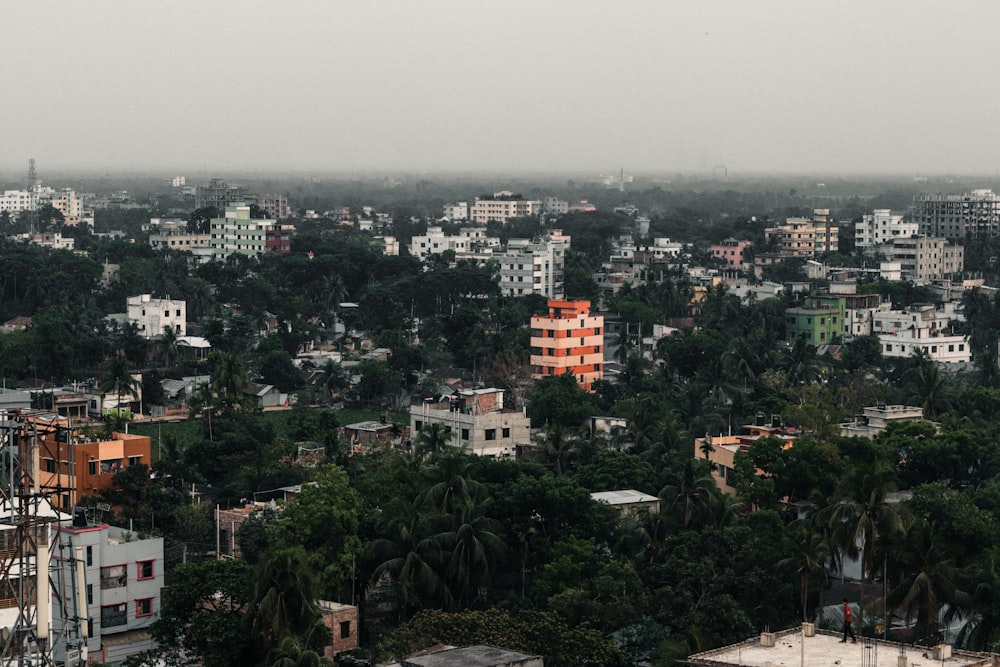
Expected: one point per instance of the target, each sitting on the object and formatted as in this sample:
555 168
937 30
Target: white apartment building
468 242
173 234
528 267
123 580
477 420
501 207
456 212
923 259
18 201
902 333
237 233
973 214
151 315
880 227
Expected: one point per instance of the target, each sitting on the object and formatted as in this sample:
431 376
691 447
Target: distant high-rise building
219 194
534 267
974 214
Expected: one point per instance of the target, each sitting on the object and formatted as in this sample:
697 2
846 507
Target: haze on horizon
764 86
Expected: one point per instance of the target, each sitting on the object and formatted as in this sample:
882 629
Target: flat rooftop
825 650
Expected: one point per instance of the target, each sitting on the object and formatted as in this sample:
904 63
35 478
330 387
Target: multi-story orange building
69 468
568 341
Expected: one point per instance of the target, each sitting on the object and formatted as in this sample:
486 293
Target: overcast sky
852 86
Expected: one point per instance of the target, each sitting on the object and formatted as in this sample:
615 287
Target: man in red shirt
848 617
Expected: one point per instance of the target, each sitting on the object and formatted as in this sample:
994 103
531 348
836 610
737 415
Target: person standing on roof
848 617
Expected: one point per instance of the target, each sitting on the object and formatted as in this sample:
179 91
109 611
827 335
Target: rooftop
468 656
623 497
825 649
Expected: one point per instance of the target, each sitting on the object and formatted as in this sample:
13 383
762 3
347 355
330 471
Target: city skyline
513 86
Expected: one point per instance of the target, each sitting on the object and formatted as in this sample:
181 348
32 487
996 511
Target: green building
820 322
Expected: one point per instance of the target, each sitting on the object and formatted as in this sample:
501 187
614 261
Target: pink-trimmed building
731 252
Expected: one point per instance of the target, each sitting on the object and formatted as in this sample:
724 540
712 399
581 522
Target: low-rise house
628 502
471 656
874 420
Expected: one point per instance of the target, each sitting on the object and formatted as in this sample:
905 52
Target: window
111 466
144 607
90 556
465 434
345 629
145 570
113 576
90 593
491 434
134 460
92 468
50 465
417 425
113 614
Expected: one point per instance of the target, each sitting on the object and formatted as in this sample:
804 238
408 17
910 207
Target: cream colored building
477 420
151 315
238 233
501 206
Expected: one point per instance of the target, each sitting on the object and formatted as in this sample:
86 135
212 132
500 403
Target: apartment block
238 233
568 341
534 267
501 207
924 259
477 420
973 214
802 237
731 252
220 195
881 227
152 316
123 578
174 235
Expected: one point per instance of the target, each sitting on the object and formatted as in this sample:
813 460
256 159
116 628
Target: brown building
342 620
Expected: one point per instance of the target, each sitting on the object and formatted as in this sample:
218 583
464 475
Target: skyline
765 87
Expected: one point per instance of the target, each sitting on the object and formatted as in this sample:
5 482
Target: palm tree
167 345
333 378
810 560
474 546
926 386
862 515
450 484
202 404
929 576
981 631
559 449
432 441
690 494
283 605
229 377
121 379
411 556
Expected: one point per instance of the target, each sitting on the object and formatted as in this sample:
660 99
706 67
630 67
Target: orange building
568 341
69 469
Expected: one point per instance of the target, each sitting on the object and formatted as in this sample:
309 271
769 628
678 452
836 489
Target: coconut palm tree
202 404
283 606
811 556
167 345
119 377
432 441
473 546
689 495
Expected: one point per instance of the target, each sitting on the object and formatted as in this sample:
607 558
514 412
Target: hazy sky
907 86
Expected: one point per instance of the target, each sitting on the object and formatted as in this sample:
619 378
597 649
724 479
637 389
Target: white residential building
902 333
456 212
880 227
923 258
501 207
151 315
466 244
237 233
528 267
555 206
18 201
477 421
123 580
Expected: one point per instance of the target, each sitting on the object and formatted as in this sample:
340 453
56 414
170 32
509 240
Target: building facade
530 267
731 251
801 237
152 316
123 579
477 420
568 341
923 258
238 233
219 195
501 207
973 214
881 227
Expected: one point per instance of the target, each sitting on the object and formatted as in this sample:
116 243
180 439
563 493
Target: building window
144 607
417 425
134 460
345 629
90 593
113 576
50 465
113 614
92 468
90 556
491 434
145 570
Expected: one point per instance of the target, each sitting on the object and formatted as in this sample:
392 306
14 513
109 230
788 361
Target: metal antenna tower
25 549
32 174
